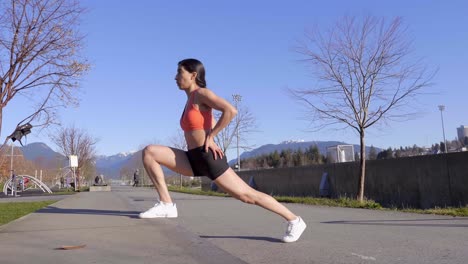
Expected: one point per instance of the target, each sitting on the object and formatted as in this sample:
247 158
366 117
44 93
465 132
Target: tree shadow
152 199
258 238
404 222
56 210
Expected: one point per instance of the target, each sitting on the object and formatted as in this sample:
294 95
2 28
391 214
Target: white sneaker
160 210
294 231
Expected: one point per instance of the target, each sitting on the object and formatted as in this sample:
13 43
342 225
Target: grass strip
340 202
15 210
68 191
451 211
196 191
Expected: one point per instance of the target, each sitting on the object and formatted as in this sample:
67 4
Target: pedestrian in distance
136 178
204 157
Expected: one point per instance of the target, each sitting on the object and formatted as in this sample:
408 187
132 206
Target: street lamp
442 108
237 98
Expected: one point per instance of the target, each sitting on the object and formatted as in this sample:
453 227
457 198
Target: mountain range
110 166
35 151
106 165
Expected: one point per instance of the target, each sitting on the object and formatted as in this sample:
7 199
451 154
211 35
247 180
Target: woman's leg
174 159
230 182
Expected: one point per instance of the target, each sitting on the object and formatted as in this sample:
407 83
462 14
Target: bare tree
365 75
177 140
126 174
247 125
39 56
74 141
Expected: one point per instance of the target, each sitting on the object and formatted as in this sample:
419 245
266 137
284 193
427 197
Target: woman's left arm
210 99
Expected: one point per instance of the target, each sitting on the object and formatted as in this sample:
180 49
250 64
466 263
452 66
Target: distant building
462 132
340 153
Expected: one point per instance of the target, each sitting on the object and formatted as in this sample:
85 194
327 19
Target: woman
204 157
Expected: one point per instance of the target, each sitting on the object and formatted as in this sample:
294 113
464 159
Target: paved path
223 230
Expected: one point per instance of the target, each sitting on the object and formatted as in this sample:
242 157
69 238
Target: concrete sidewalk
224 230
107 224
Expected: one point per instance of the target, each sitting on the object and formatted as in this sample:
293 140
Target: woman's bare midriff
195 138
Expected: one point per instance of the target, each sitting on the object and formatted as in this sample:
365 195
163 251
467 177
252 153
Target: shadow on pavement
403 222
153 199
269 239
55 210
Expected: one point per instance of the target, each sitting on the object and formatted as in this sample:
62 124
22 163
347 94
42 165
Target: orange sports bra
195 119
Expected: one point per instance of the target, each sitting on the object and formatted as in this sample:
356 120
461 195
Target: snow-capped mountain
108 165
110 161
111 165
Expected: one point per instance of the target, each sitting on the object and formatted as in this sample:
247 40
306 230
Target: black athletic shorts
204 164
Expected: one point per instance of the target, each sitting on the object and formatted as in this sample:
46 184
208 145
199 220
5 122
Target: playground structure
66 177
21 183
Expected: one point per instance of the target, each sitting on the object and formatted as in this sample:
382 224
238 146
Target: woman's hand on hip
210 144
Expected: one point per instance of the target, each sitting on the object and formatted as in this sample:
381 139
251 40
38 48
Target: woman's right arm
210 99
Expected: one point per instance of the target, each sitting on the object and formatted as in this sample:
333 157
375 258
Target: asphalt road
224 230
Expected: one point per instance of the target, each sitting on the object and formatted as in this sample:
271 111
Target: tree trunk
362 168
1 119
78 172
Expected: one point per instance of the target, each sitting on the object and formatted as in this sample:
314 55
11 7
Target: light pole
237 98
442 108
13 177
11 159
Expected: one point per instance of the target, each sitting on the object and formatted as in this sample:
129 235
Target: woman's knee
150 152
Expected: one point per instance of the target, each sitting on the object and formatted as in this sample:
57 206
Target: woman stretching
204 157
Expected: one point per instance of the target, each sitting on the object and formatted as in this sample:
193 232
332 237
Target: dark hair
193 65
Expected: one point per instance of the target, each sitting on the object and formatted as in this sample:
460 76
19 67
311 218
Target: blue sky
129 99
